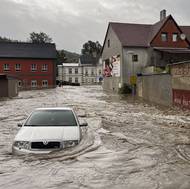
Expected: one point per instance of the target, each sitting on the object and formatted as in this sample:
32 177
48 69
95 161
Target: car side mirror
84 124
19 125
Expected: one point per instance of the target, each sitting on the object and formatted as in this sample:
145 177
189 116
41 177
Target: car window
52 118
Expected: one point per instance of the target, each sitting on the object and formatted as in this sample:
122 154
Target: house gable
112 44
169 28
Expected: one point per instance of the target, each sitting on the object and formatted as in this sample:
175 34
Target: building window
164 37
92 80
70 70
44 83
135 58
33 83
34 67
92 71
76 70
17 67
108 43
100 72
70 79
6 67
76 80
86 72
44 67
174 37
19 83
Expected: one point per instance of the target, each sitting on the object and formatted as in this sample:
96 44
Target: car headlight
22 144
70 143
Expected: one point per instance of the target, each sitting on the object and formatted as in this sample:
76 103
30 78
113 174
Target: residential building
89 66
87 71
70 72
31 63
132 49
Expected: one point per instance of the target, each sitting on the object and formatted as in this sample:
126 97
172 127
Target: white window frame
70 71
135 57
164 37
33 67
174 37
76 71
70 79
44 83
92 71
33 83
19 83
45 67
17 67
6 67
76 80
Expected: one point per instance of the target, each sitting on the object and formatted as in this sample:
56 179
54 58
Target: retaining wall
155 88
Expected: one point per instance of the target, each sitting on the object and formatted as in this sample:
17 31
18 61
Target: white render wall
143 59
66 70
87 74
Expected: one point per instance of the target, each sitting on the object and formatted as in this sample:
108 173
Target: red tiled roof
140 35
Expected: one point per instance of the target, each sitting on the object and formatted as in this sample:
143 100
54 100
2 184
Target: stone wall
155 88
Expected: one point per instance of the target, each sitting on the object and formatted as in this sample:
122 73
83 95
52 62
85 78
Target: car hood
48 133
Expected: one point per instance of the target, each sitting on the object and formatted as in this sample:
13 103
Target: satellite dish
183 36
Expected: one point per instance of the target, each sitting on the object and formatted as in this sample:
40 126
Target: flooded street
127 144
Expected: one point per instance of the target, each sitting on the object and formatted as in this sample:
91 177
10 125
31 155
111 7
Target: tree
91 48
40 38
61 57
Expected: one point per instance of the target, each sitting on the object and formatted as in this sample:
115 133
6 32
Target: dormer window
164 37
174 37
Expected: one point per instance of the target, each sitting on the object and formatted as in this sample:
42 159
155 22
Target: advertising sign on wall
112 66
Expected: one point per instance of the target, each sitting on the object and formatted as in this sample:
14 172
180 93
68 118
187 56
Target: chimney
162 14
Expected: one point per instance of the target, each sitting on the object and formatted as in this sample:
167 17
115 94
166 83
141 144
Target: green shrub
125 89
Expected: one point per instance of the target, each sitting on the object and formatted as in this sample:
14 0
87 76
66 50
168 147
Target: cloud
73 22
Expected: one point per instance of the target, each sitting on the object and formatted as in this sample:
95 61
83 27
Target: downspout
122 68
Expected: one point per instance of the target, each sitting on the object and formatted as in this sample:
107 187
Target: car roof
55 108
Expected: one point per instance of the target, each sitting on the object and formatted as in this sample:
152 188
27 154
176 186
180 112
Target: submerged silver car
48 129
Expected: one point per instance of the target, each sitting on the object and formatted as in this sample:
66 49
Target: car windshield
52 118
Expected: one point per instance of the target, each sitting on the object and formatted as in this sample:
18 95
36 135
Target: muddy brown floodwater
128 144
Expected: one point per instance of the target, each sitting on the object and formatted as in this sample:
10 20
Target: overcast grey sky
70 23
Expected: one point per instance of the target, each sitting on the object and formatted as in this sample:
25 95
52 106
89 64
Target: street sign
133 80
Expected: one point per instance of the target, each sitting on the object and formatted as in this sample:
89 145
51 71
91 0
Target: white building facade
80 73
70 72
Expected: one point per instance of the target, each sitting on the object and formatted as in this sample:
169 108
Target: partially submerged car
47 130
